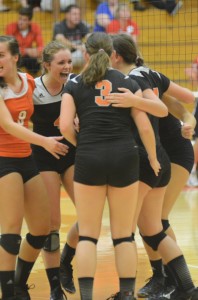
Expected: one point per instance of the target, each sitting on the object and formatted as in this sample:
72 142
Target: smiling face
8 62
60 66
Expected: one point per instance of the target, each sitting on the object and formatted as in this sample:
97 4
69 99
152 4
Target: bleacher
167 43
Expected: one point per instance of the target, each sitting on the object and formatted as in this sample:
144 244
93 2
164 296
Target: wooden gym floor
184 219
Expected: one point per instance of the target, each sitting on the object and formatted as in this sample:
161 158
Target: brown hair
125 46
13 48
99 46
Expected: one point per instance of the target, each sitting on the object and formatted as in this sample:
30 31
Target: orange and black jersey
20 106
100 121
159 83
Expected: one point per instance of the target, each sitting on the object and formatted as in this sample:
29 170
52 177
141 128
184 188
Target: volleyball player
22 191
57 65
154 203
106 163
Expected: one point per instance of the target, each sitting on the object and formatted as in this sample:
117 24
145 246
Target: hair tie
137 58
101 50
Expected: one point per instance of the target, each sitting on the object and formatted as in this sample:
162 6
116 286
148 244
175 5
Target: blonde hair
50 50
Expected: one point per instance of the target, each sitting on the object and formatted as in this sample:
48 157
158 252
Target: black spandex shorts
180 151
25 166
47 162
147 174
114 163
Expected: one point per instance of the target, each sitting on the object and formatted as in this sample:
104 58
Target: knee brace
165 224
11 243
122 240
52 242
36 241
87 238
154 240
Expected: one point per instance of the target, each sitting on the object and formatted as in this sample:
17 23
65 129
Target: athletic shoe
57 294
167 290
66 278
175 294
192 180
177 8
122 296
153 287
22 292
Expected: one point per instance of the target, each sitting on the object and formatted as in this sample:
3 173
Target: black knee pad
154 240
122 240
11 243
36 241
52 242
87 238
165 224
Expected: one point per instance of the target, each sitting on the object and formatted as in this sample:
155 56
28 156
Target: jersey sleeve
165 81
133 86
141 82
68 88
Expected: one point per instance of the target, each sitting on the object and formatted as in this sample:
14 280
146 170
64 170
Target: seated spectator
137 5
123 23
171 6
71 31
105 13
57 6
29 37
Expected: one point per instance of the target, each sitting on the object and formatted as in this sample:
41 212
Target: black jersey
169 128
159 83
99 120
149 79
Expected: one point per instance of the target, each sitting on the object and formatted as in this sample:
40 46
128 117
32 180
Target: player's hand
155 165
124 99
187 131
76 124
53 146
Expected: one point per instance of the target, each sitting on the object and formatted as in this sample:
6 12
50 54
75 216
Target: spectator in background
171 6
105 13
137 5
71 31
123 22
29 37
57 6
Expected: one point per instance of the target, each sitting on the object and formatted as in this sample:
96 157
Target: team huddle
111 133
